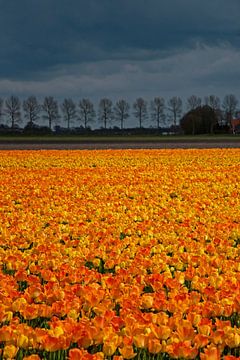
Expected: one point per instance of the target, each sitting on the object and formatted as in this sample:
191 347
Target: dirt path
120 145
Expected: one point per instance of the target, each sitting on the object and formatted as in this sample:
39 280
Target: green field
117 139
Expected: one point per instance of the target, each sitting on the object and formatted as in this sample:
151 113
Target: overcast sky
119 48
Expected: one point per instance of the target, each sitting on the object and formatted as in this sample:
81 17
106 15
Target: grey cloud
200 70
38 35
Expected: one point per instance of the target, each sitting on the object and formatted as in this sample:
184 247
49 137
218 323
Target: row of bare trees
159 111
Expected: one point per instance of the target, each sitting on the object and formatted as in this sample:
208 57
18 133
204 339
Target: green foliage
236 242
148 289
7 271
22 285
100 268
199 121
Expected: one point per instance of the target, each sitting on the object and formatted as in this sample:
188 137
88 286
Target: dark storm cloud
115 48
38 34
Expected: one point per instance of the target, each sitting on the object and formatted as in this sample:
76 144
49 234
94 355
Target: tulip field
120 254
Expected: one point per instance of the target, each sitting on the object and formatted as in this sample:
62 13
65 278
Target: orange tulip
10 351
140 340
186 332
84 338
32 357
127 352
147 301
76 354
5 334
210 353
19 304
30 312
182 349
22 341
232 340
161 332
154 346
201 341
53 343
111 342
217 337
109 348
108 250
204 329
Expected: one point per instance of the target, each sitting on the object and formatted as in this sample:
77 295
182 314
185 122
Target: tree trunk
193 127
105 121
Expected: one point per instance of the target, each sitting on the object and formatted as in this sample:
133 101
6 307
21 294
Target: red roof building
235 125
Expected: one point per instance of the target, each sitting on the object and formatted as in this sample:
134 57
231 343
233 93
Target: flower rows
120 254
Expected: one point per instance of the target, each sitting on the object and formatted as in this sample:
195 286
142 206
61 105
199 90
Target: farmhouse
235 125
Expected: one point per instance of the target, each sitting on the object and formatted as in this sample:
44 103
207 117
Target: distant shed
235 125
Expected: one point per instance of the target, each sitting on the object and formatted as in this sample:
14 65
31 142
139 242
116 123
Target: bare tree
140 110
31 109
157 107
121 111
50 108
86 112
229 107
13 110
213 101
175 108
193 102
1 109
68 108
105 112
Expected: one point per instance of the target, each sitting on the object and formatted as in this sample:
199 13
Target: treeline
201 116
